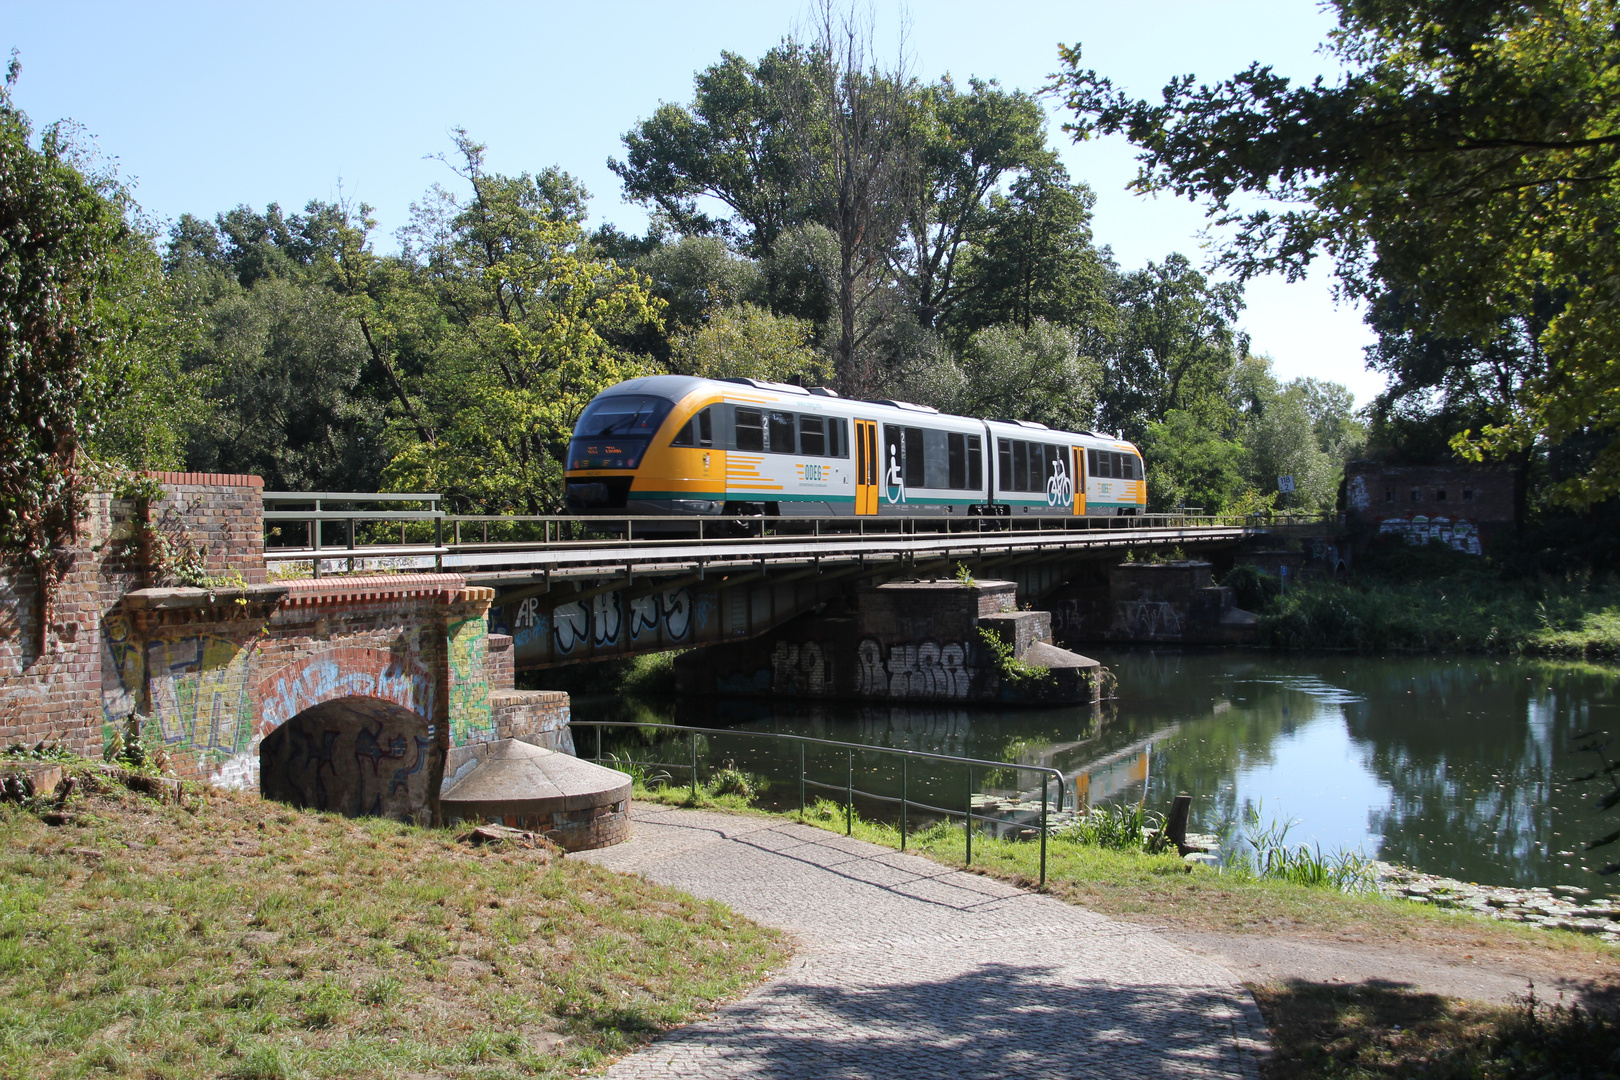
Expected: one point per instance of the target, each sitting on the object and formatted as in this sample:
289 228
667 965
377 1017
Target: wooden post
1175 826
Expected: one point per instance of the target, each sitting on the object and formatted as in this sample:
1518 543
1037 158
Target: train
683 445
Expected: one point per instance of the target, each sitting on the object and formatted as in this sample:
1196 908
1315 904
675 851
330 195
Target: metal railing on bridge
299 527
964 808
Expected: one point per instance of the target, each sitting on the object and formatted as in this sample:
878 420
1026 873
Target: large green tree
727 147
529 313
1175 346
1469 158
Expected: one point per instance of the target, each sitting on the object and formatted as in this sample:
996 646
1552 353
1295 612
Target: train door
866 467
1079 475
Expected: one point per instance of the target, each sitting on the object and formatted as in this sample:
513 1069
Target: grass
1370 1032
243 939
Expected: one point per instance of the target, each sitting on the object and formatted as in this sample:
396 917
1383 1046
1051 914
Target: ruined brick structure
1459 505
342 693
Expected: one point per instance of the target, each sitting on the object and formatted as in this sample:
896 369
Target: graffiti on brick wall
121 674
352 761
603 621
925 669
468 648
1068 618
201 699
1459 535
1355 493
801 668
1147 619
377 674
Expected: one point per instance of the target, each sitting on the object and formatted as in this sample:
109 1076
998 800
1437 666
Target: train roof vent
902 405
761 384
822 391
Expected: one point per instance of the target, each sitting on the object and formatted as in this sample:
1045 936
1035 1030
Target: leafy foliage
1464 165
63 238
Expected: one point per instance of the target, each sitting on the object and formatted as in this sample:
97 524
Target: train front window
613 431
622 415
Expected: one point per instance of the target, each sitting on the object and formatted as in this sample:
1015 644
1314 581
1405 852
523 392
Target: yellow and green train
674 444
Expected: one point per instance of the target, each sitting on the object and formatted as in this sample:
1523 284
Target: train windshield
613 431
622 414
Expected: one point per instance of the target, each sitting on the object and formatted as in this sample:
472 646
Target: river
1459 766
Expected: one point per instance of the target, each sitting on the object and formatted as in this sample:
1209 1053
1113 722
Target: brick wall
59 693
219 513
1481 493
502 663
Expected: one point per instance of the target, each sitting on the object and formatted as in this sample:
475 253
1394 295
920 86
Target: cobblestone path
908 968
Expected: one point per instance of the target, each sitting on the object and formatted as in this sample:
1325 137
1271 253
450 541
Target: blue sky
209 105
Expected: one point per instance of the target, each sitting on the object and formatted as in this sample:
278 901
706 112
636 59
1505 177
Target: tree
967 145
1191 465
852 126
1034 259
696 275
286 359
528 313
1024 373
728 145
62 233
1467 160
1174 349
1281 440
749 342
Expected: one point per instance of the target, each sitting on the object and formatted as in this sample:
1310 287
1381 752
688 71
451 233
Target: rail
442 534
1048 775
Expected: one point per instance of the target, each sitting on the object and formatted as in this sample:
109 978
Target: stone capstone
576 804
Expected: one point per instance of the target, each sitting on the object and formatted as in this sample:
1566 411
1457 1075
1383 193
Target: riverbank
1403 599
233 937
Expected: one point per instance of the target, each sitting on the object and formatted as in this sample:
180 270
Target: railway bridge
571 589
355 649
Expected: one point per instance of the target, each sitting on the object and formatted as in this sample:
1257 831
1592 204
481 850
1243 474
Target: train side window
1127 467
956 458
837 438
1004 462
1092 467
916 459
781 440
1020 469
698 431
975 456
812 437
750 430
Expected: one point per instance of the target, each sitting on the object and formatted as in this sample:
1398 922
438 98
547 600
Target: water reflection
1458 766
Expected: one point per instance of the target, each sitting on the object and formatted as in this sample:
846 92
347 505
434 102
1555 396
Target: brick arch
348 672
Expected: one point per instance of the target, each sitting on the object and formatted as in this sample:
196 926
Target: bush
1252 588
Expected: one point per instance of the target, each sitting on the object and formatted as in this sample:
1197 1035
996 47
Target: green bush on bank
1436 600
